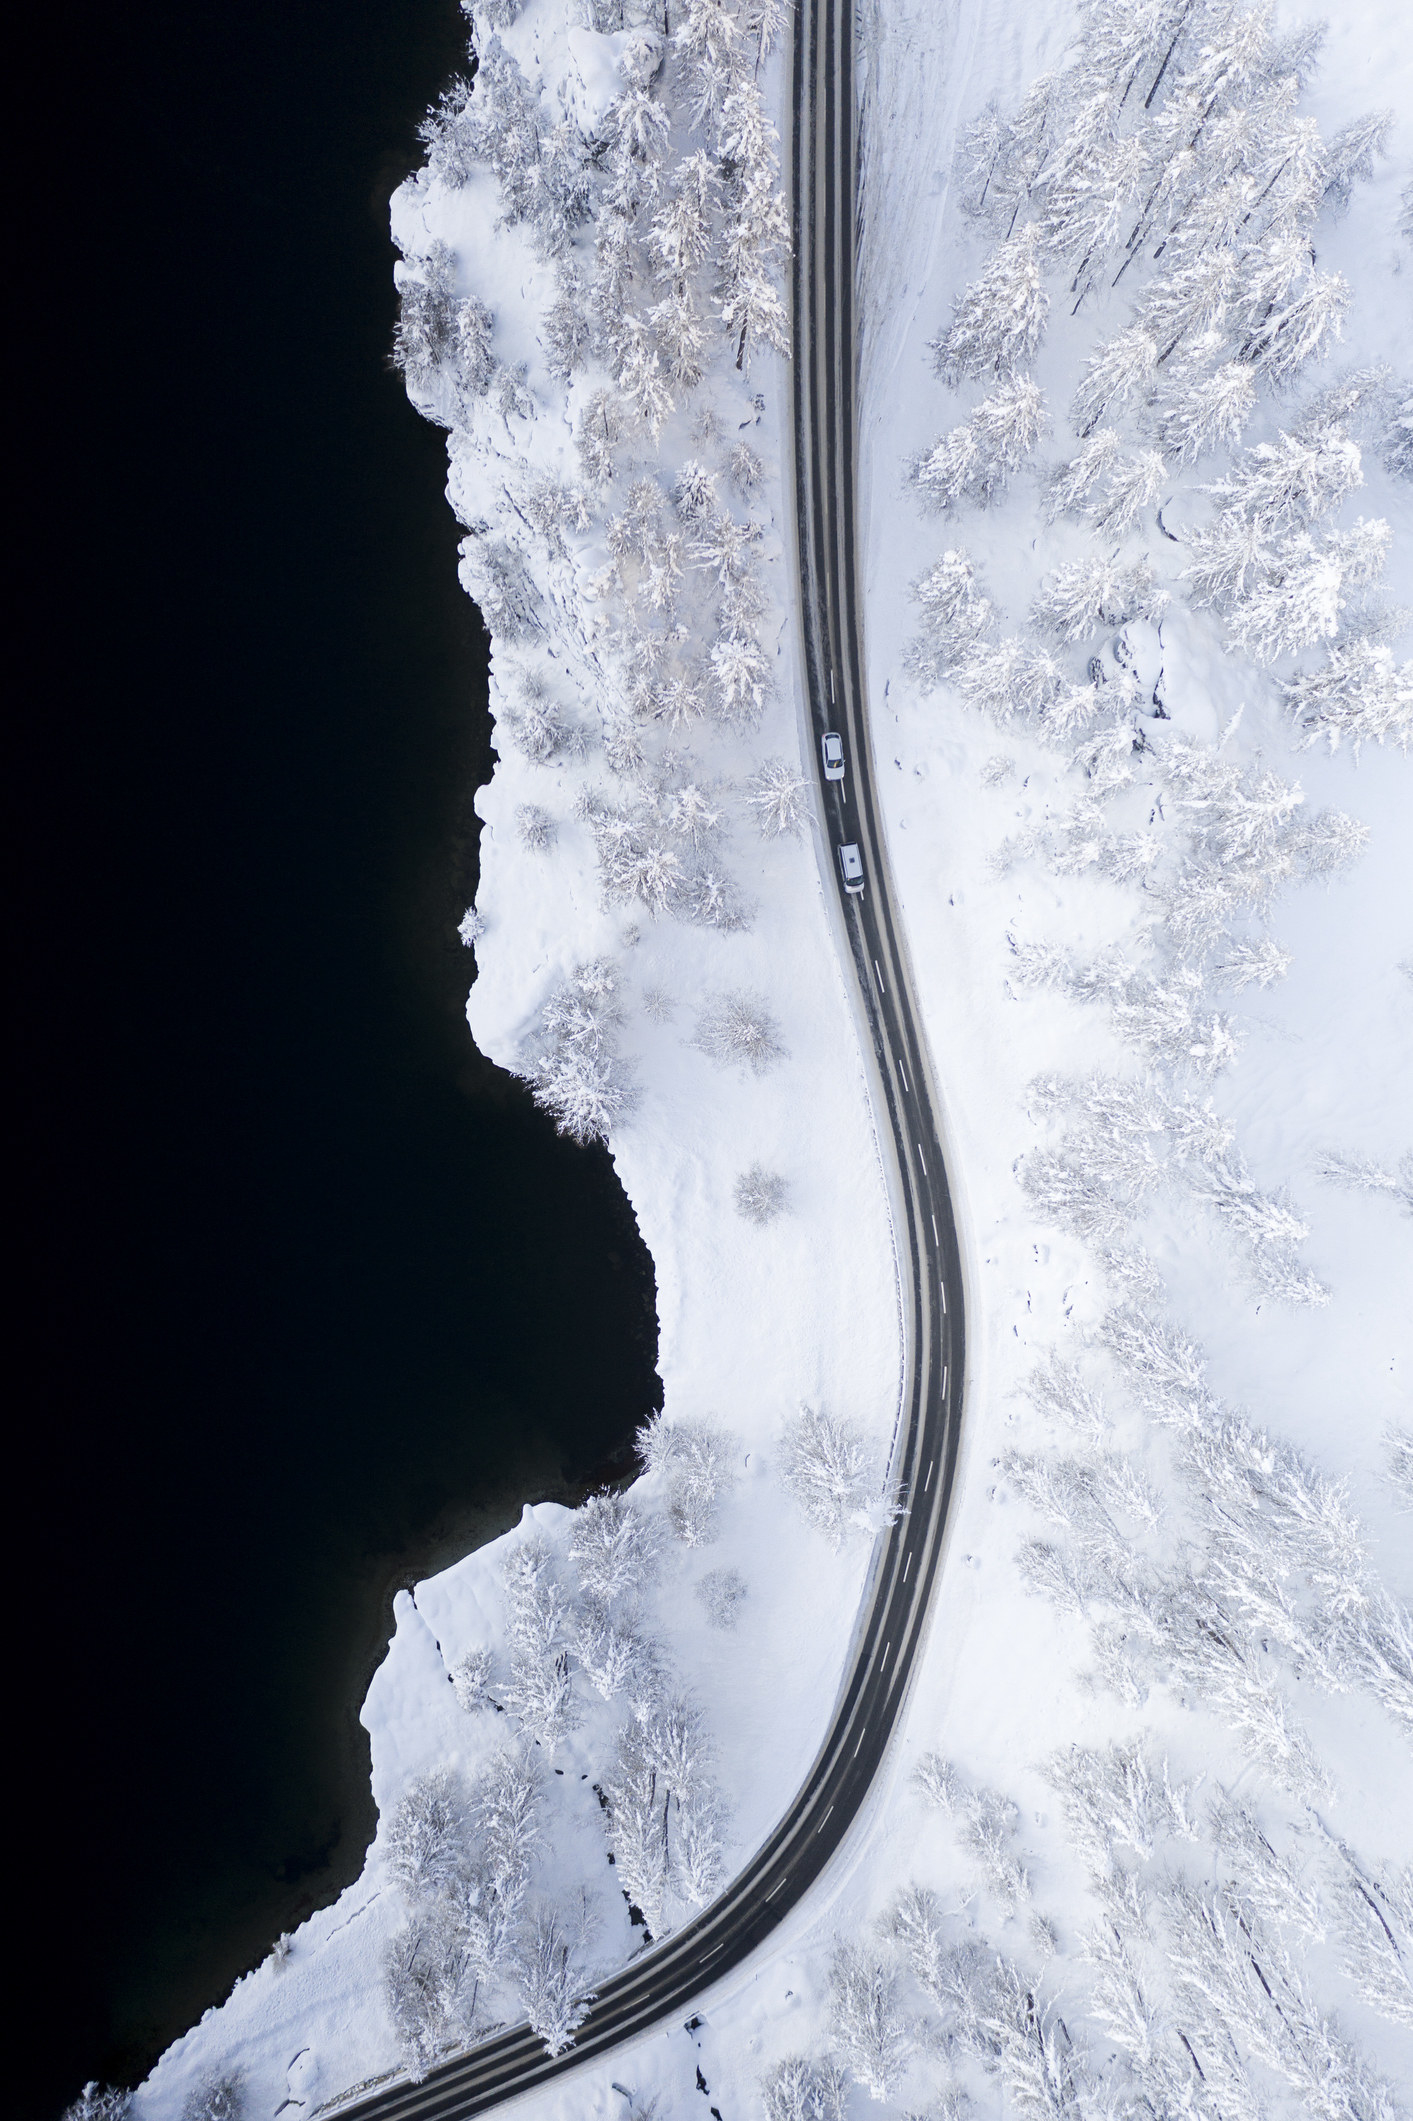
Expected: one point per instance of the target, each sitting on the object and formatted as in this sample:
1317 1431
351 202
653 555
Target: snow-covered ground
756 1319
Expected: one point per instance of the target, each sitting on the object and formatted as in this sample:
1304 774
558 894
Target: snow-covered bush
535 827
219 2097
738 1029
721 1592
760 1195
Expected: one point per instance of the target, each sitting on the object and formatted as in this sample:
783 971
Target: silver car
851 862
832 746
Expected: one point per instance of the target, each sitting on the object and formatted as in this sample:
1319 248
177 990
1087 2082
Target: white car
832 746
851 862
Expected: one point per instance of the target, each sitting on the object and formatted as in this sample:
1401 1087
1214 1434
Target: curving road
673 1975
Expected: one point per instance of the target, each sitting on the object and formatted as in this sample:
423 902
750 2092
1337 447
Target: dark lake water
308 1298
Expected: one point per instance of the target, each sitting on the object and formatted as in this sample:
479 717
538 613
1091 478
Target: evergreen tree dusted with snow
1000 319
1358 696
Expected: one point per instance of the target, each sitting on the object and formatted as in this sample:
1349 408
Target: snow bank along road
672 1975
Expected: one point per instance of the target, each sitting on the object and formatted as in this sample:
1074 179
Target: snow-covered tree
1079 597
1283 338
1295 479
426 1842
497 576
1133 485
1349 156
533 721
635 1821
429 1987
697 1460
760 1195
1373 1914
614 1656
1298 595
1008 678
614 1546
506 1811
1207 411
830 1470
779 799
1091 183
539 1693
425 338
1358 696
1071 484
665 1815
867 2019
576 1074
955 616
976 461
551 1987
1258 964
999 320
566 333
1112 374
602 426
471 1679
1367 1175
799 2089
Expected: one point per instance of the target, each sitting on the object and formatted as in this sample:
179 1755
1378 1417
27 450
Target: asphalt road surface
672 1976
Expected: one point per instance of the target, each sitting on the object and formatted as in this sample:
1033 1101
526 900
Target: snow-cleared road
673 1976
